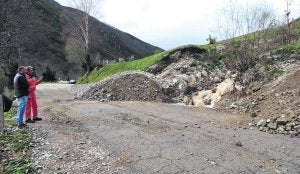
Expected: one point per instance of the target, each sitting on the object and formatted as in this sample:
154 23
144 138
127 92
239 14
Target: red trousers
31 106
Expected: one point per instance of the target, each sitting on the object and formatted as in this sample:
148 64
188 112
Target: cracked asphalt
146 138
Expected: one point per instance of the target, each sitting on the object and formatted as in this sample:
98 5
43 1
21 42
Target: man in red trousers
32 103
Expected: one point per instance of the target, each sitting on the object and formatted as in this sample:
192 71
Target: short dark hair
20 68
29 68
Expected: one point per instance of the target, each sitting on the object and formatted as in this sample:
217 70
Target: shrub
211 40
49 75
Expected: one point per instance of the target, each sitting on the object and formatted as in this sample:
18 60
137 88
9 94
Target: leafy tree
49 75
211 40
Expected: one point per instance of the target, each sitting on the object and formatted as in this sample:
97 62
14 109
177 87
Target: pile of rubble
280 125
177 77
275 107
130 86
169 80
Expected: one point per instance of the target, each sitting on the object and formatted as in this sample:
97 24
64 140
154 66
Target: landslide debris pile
169 80
277 106
132 86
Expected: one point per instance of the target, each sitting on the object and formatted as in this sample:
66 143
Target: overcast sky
171 23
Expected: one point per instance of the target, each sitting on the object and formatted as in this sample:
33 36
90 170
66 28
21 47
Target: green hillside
142 64
241 53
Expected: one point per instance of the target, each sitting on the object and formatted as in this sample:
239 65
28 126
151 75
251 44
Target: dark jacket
1 87
7 102
20 85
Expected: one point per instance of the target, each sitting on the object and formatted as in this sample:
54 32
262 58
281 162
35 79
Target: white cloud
167 23
171 23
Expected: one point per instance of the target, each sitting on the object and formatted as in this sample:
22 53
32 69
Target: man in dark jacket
21 92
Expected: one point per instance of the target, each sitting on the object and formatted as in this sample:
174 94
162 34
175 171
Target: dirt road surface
143 138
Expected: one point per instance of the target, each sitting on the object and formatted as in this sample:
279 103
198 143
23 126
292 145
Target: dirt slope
281 97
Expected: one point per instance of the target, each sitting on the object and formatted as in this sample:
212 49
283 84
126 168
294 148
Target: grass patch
209 46
141 64
10 120
22 165
13 147
17 142
275 73
289 48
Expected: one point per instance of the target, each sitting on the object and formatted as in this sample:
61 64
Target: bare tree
81 32
244 26
287 16
238 19
74 50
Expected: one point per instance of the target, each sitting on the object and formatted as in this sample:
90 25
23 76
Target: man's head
29 69
22 70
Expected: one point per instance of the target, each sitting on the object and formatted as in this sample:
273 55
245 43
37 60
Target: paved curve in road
144 137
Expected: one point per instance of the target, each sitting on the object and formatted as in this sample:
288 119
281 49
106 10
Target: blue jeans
22 101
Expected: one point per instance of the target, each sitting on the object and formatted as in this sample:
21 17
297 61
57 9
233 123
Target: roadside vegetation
15 145
14 156
289 48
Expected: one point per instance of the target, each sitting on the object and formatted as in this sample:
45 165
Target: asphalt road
137 137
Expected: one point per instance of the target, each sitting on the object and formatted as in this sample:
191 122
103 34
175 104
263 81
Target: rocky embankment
276 106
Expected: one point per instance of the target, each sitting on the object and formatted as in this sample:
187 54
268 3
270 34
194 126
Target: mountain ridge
43 39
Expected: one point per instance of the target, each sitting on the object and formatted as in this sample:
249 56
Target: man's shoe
37 119
21 126
30 121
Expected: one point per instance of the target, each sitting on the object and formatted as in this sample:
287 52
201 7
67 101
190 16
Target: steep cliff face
38 33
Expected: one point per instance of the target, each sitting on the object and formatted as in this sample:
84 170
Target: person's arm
39 80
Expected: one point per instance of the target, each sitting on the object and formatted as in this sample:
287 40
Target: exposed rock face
208 98
202 98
